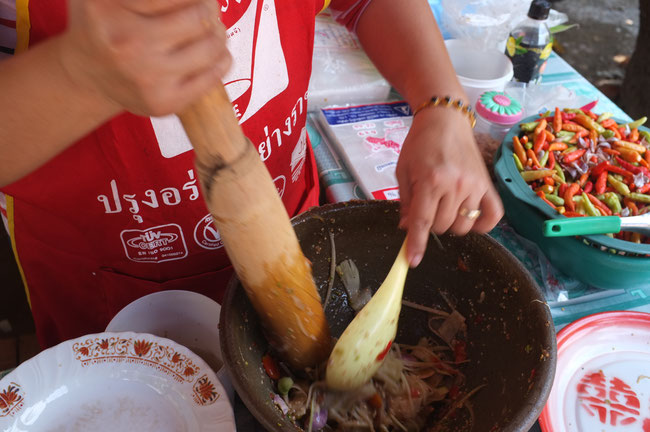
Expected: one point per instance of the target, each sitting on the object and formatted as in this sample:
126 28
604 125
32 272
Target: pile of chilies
583 164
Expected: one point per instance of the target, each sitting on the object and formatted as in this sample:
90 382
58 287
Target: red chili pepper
599 169
543 197
583 179
610 151
621 131
601 183
631 205
533 158
628 166
589 106
557 120
540 139
460 351
568 196
568 116
271 367
588 187
562 189
384 353
591 114
580 134
375 400
572 214
524 139
608 123
645 188
549 180
574 155
551 160
634 135
619 170
540 127
558 146
601 205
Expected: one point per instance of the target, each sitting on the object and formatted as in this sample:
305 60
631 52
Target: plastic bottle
530 43
496 114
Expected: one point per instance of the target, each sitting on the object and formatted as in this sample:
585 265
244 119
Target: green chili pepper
530 176
518 163
574 111
604 116
645 135
560 173
570 149
547 189
528 127
618 185
564 136
637 123
529 144
556 200
557 179
639 197
591 210
544 159
608 134
547 114
284 385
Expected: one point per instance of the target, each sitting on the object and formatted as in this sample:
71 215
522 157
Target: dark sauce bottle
530 44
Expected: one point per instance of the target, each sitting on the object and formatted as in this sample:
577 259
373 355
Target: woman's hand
443 180
150 57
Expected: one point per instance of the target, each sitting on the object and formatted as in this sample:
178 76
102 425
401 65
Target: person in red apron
118 214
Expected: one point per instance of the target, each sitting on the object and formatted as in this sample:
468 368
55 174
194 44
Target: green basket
597 260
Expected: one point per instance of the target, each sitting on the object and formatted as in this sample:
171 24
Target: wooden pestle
256 232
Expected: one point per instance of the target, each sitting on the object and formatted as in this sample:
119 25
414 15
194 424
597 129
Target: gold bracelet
449 102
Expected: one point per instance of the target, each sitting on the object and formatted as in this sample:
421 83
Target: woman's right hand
150 57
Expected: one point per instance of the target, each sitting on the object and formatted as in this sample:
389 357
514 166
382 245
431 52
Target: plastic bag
342 73
488 22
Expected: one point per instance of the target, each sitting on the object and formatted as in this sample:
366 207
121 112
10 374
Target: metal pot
511 337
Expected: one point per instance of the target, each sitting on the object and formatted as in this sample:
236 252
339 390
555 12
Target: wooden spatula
256 231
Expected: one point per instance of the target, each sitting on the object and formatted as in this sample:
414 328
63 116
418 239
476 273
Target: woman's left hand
444 184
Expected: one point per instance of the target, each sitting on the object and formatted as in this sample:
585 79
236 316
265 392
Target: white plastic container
479 70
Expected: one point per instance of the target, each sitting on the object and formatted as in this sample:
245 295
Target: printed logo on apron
247 90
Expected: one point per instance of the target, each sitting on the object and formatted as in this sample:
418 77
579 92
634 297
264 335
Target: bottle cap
539 9
497 107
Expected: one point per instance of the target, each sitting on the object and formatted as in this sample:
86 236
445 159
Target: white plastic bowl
479 70
188 318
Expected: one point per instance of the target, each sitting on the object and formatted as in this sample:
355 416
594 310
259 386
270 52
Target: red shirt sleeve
347 12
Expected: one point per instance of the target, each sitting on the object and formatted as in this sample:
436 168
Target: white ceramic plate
114 382
188 318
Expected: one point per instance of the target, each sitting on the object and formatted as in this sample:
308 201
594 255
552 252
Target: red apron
119 214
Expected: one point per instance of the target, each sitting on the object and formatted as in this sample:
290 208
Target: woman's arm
440 170
150 57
